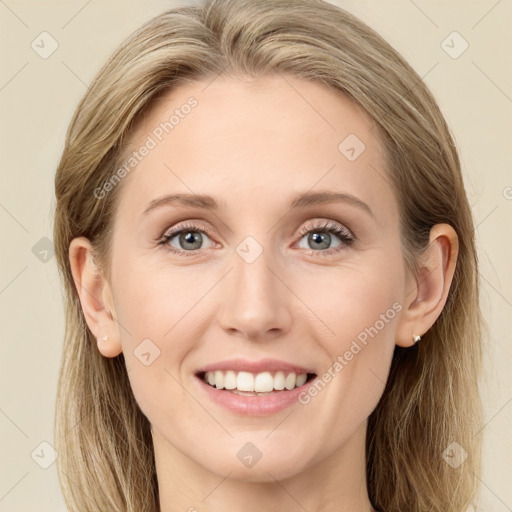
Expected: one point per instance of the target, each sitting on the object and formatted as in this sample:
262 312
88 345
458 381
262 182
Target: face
273 272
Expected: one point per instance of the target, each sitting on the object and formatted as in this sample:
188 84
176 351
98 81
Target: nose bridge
256 299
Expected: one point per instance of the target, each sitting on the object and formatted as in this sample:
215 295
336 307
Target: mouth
254 384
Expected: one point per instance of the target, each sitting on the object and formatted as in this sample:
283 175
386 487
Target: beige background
37 98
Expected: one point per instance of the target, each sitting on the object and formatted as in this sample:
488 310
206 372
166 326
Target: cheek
359 317
353 299
154 299
158 314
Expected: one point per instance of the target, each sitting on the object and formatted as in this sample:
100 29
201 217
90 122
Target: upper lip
263 365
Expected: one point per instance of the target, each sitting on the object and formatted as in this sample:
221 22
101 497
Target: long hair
431 399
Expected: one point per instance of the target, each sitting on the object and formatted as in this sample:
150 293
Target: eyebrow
301 201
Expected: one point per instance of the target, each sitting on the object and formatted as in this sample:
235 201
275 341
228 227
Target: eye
319 236
188 237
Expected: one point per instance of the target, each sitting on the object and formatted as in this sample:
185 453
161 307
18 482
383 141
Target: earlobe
427 299
94 293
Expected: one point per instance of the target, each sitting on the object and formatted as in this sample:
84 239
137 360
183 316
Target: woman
270 273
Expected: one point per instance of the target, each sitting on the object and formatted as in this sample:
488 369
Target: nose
255 299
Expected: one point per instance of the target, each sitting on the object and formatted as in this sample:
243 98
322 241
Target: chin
266 469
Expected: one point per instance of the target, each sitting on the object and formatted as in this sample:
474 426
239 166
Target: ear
427 294
95 297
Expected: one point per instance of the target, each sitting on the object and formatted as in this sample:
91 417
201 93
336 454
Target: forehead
265 138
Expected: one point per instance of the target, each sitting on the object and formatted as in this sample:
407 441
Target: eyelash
343 233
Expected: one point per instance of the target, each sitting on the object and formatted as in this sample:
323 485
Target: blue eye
190 238
188 235
320 235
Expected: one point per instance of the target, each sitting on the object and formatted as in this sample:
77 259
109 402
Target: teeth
263 382
230 380
218 379
279 381
248 383
245 382
301 379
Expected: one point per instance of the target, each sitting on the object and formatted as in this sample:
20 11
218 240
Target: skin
254 145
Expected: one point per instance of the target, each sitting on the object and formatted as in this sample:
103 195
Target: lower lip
262 405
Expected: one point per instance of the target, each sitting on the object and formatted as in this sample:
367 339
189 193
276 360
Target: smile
243 397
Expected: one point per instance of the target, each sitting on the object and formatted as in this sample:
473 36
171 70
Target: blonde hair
431 399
